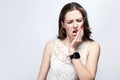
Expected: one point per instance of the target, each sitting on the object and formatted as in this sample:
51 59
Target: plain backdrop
26 26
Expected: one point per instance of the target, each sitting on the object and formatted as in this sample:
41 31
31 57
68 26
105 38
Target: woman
73 55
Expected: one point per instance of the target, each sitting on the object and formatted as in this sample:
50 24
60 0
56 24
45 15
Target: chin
72 37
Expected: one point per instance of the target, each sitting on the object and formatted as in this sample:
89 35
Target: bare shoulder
49 46
94 44
50 43
95 47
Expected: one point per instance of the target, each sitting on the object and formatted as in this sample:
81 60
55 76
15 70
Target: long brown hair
69 7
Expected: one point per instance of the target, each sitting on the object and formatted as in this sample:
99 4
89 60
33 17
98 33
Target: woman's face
72 22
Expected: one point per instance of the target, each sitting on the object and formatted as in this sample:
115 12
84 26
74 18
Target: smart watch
75 55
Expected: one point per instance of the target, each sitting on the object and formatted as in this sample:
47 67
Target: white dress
61 67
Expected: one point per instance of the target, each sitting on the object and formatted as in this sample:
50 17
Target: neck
67 41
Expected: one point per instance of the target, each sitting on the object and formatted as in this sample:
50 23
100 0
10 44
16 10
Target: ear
62 23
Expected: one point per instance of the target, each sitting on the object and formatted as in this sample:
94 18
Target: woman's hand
77 40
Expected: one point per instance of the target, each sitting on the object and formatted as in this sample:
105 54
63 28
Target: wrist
72 50
75 55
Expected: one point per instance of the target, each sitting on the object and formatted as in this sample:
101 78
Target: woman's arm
44 68
88 72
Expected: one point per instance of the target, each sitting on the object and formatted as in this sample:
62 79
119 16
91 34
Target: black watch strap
75 55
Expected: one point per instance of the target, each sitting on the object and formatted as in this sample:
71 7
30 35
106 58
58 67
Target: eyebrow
72 19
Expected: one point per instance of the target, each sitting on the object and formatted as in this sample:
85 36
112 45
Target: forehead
73 14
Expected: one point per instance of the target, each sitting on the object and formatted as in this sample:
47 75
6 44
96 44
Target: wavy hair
70 7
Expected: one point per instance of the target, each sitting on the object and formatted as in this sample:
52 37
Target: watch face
75 55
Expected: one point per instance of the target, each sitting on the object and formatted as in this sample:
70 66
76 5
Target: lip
74 32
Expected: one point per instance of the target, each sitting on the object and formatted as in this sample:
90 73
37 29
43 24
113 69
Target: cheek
81 25
68 30
68 27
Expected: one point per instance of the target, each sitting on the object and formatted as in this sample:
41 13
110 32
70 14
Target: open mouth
75 31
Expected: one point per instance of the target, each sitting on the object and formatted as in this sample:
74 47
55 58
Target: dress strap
56 42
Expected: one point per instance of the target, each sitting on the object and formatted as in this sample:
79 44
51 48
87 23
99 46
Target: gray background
26 25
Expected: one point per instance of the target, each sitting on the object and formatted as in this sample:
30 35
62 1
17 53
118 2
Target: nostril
75 26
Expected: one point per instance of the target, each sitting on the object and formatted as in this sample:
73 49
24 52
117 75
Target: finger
80 34
77 38
73 43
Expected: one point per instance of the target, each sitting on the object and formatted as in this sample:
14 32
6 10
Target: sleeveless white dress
61 67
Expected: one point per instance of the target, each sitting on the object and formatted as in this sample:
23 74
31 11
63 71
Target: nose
75 25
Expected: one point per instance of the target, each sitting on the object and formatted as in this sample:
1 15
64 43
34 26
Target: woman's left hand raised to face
77 40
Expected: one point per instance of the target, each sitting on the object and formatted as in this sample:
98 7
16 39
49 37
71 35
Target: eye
69 22
79 20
